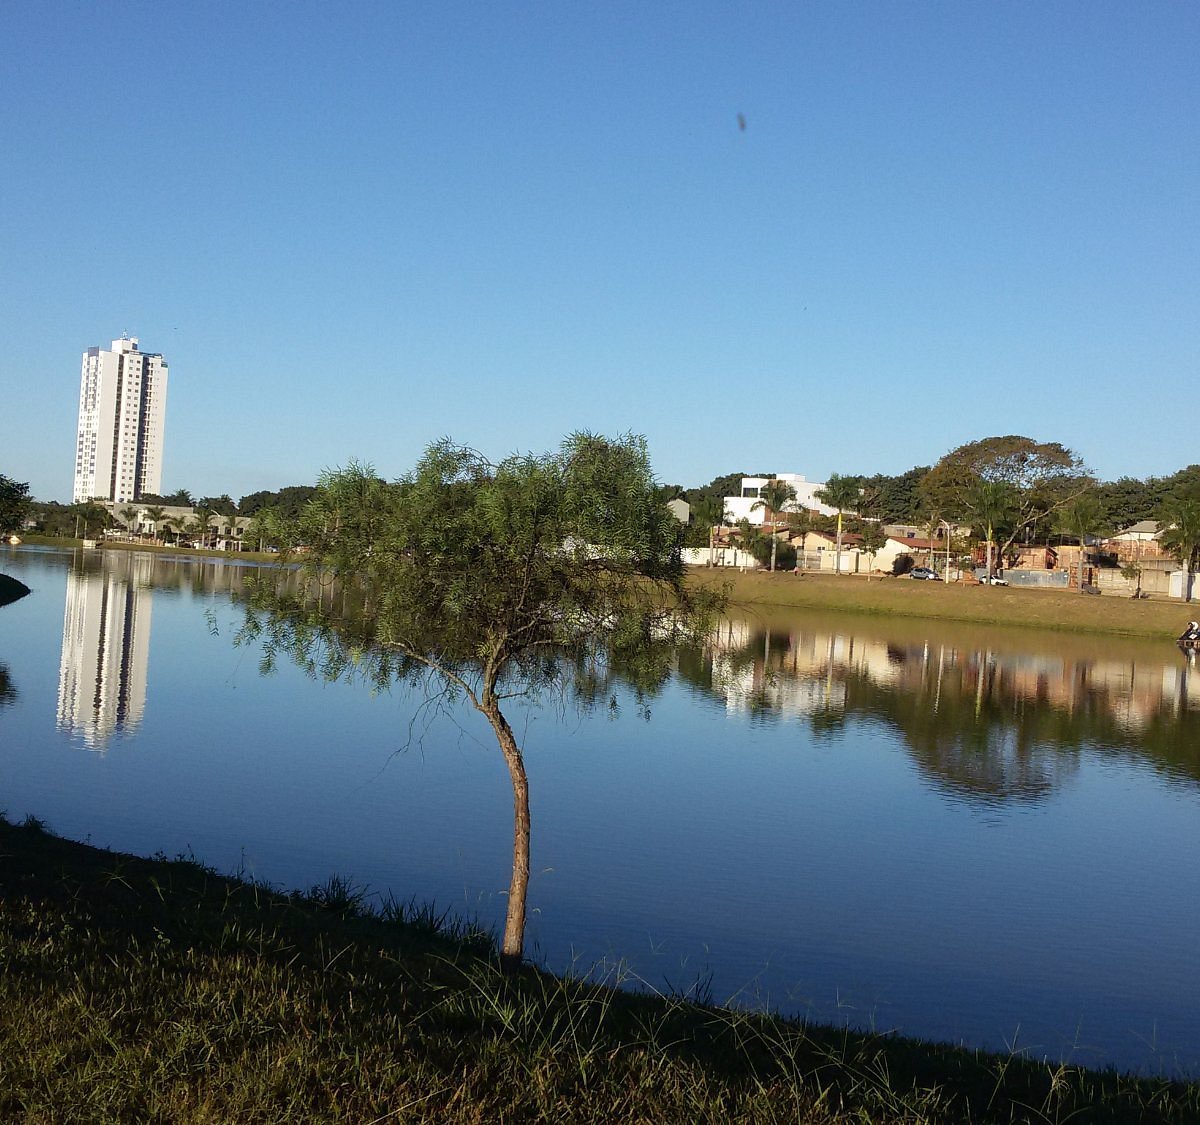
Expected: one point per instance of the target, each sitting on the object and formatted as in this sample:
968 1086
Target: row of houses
133 521
1029 564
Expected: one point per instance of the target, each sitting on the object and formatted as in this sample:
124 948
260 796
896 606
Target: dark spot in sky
742 122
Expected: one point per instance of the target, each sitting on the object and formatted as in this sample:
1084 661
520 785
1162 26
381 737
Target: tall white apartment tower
122 408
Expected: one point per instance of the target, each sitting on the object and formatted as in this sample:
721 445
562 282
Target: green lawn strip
157 990
1058 610
34 540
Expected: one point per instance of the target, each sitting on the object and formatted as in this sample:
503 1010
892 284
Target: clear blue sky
354 228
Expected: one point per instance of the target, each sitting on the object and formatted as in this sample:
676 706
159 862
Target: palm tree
229 520
841 493
203 520
90 514
991 503
1182 536
709 512
129 517
800 523
774 496
155 516
1080 518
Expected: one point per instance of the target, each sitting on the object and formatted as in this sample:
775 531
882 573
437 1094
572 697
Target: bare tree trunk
513 946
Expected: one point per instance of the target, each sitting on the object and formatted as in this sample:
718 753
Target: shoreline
1060 611
1053 610
181 994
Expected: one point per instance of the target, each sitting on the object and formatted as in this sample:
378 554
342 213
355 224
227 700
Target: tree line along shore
1059 610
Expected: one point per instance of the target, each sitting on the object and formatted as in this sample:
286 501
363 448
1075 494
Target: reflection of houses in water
791 674
1133 695
106 648
989 723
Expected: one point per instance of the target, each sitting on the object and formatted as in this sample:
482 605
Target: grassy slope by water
1062 610
156 990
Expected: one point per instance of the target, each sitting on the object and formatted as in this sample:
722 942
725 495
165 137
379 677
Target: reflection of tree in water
8 692
989 727
991 752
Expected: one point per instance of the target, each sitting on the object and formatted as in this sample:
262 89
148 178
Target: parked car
926 573
997 580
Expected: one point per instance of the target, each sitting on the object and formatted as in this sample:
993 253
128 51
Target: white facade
738 508
122 409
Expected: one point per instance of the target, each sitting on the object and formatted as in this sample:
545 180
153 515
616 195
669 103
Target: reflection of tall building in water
105 649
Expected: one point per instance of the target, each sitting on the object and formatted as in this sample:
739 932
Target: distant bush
785 553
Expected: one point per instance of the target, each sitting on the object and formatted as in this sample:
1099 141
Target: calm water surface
958 834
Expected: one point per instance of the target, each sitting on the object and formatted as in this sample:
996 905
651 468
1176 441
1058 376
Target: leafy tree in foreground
14 505
477 578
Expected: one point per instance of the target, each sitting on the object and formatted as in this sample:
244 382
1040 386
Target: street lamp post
946 576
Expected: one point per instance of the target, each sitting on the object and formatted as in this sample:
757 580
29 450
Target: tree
201 524
873 538
898 499
1132 572
155 515
90 517
1081 517
708 512
1040 478
774 496
992 503
288 501
222 505
1182 536
129 518
180 498
474 576
14 505
1128 501
842 493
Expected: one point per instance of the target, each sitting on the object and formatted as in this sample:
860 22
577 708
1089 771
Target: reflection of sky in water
913 836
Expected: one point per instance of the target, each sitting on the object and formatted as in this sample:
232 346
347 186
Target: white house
681 510
738 508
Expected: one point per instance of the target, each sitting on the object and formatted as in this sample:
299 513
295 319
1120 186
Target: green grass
155 990
68 543
1059 610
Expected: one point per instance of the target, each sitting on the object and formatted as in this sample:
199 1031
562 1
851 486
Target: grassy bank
67 544
158 991
1062 610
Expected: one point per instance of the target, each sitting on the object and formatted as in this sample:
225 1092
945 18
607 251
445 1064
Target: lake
963 834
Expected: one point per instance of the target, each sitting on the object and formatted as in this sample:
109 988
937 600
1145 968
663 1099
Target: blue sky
352 229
